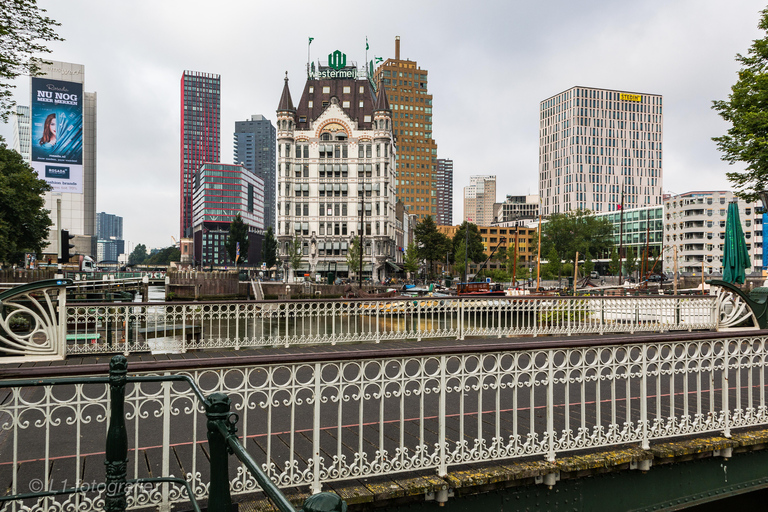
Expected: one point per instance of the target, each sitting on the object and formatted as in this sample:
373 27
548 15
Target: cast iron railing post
217 409
117 437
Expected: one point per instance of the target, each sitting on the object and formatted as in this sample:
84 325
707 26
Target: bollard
219 498
117 437
324 502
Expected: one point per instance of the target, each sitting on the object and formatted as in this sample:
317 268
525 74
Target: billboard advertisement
57 133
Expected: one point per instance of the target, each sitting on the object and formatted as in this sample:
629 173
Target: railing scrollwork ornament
32 320
731 309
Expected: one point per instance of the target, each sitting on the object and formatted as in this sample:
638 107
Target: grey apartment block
254 149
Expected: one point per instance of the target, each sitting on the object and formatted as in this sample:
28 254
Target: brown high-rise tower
411 104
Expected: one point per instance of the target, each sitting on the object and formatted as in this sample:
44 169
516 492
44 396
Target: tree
476 248
139 255
353 255
269 249
23 31
630 262
589 265
411 262
576 231
459 254
164 256
24 223
747 112
238 233
615 264
432 245
295 255
554 264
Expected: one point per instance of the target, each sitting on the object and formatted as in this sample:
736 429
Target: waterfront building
56 135
109 250
479 198
694 222
516 208
643 230
109 226
406 89
22 136
444 191
336 172
596 145
221 192
109 237
256 150
200 135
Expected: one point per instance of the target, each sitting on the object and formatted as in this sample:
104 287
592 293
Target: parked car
657 278
594 275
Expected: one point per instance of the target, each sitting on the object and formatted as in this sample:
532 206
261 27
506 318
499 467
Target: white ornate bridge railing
311 423
36 323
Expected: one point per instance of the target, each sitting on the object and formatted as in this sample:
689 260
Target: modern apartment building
444 192
256 150
643 229
109 226
479 198
406 88
22 132
221 192
56 135
694 222
200 135
336 173
516 208
597 145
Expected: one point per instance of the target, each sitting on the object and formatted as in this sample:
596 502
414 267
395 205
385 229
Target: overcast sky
490 64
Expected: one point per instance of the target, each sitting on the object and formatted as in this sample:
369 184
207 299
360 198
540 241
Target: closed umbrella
735 255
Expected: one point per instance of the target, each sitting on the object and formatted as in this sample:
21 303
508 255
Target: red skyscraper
200 135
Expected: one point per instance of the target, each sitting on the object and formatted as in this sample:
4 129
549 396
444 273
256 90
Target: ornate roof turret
286 105
382 104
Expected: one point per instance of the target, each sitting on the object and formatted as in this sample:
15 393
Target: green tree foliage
24 29
615 264
432 245
139 255
589 265
295 255
353 255
164 256
24 223
476 249
269 249
576 231
554 265
238 232
411 261
459 256
746 110
630 261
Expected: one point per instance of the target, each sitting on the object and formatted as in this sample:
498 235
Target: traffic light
64 254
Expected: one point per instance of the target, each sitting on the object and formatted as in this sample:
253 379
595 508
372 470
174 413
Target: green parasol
735 255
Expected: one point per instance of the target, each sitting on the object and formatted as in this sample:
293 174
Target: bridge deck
367 491
148 362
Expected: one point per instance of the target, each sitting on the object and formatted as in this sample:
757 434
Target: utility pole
621 234
675 252
538 255
466 251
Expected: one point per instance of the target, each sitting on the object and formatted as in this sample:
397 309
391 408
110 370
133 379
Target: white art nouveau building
336 176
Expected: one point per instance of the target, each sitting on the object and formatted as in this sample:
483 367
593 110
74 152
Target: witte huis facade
336 173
